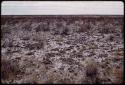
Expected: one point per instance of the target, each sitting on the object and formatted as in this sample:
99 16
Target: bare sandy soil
62 49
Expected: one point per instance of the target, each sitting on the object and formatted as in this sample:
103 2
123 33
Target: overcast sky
62 8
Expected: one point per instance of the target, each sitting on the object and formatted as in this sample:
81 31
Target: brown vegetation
8 70
62 49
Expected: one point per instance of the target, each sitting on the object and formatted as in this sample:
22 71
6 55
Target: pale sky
62 8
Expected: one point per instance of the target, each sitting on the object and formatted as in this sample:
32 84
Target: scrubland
62 49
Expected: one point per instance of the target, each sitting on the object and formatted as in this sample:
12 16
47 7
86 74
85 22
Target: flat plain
72 49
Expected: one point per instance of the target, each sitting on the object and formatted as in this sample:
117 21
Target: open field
62 49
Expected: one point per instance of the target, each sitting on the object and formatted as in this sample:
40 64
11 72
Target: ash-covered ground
62 49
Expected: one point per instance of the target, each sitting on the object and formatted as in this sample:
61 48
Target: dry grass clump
55 77
8 70
117 74
91 71
52 77
45 77
47 61
59 39
26 38
38 39
117 55
35 46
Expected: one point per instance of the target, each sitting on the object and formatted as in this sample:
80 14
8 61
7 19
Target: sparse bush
43 26
29 53
104 30
47 61
111 38
26 38
84 28
60 29
48 55
40 39
34 46
8 43
38 28
65 31
69 61
5 29
107 29
27 26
